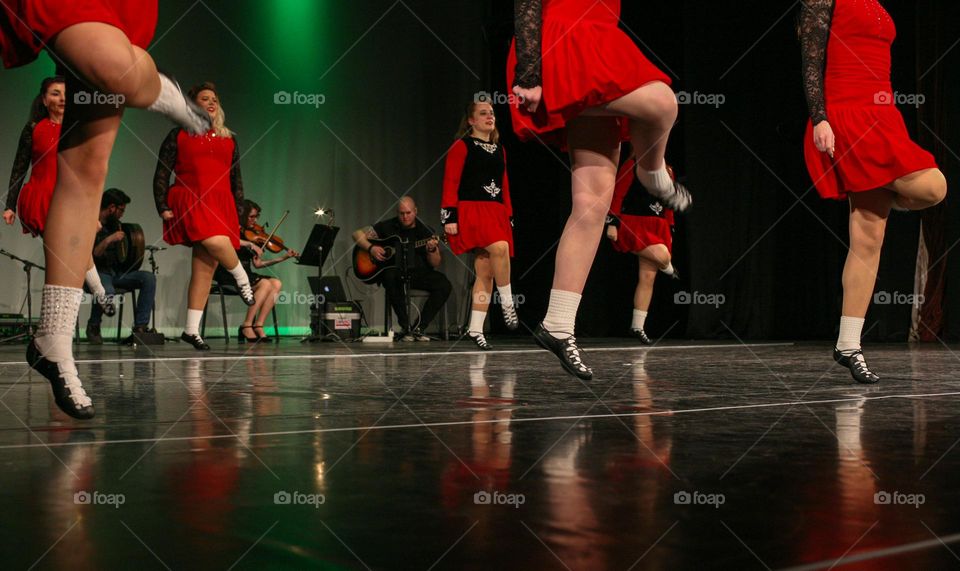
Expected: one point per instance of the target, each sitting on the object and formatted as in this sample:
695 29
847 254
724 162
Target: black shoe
677 199
674 276
241 338
93 335
642 336
246 294
479 340
566 350
510 317
264 337
105 302
416 334
195 340
68 393
857 365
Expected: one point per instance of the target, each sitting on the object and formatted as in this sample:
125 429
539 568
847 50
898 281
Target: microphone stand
155 269
27 267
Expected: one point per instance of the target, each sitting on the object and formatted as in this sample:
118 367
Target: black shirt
416 257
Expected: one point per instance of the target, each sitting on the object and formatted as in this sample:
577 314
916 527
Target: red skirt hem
637 233
479 225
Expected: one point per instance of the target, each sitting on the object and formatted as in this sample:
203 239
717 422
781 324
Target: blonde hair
465 127
220 118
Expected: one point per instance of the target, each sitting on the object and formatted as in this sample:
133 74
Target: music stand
315 253
27 267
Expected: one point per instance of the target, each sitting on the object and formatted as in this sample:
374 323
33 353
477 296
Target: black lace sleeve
236 181
166 160
21 163
815 20
527 25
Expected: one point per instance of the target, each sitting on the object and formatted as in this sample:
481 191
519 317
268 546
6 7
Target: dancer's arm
815 23
452 170
166 160
528 81
21 164
236 180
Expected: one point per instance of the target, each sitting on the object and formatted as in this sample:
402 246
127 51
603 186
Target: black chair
224 290
118 293
424 295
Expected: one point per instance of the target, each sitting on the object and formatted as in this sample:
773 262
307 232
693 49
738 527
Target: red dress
586 61
476 195
33 202
207 192
873 147
27 26
640 218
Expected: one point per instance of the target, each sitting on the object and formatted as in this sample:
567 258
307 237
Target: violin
268 241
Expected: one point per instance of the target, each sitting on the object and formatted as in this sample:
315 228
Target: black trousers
425 279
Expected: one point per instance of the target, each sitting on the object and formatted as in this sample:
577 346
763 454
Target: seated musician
112 207
265 288
422 263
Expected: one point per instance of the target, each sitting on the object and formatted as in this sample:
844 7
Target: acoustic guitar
368 268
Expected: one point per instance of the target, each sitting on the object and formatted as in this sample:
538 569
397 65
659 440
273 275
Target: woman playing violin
253 242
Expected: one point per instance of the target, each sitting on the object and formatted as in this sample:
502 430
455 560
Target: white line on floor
470 422
878 553
248 357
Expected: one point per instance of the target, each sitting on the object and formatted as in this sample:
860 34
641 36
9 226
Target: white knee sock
850 330
669 270
562 313
58 315
506 295
193 321
92 279
240 275
172 103
639 318
657 182
476 321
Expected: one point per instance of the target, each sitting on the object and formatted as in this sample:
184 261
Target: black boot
857 365
68 394
93 335
566 350
195 340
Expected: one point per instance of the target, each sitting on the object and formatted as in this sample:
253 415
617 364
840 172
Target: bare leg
269 302
919 190
261 291
652 259
483 285
868 223
222 250
499 257
203 264
594 152
652 110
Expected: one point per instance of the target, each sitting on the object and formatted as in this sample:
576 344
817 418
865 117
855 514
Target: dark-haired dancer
477 215
640 224
857 146
99 45
584 84
37 152
201 207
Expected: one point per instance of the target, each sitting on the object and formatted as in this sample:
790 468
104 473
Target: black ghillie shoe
195 340
642 336
857 365
566 350
67 390
479 340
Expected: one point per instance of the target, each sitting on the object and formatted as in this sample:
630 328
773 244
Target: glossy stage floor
434 456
